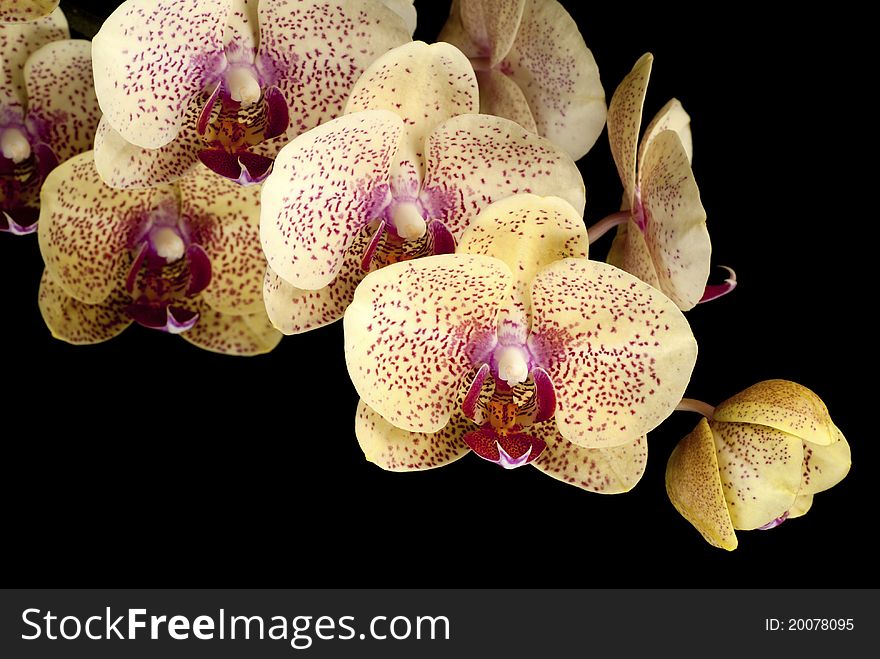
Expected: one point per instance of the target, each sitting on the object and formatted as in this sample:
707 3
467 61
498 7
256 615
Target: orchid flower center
243 86
408 221
167 243
513 366
14 145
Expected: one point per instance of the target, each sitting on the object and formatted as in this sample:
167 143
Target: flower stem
698 406
604 226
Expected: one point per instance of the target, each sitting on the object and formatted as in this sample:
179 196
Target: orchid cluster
238 170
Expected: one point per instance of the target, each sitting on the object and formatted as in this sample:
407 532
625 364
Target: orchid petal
151 59
784 405
630 252
619 352
491 25
77 322
500 96
671 117
25 11
425 85
242 34
326 186
604 471
624 121
694 487
85 227
61 96
224 219
393 449
558 76
825 466
17 42
801 506
123 165
760 471
676 230
474 160
244 335
527 232
416 328
315 50
406 10
294 310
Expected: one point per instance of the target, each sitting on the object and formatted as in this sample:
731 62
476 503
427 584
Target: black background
145 461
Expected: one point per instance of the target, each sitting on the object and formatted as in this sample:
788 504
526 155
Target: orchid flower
227 82
48 111
183 258
399 176
662 237
533 67
519 349
25 11
755 461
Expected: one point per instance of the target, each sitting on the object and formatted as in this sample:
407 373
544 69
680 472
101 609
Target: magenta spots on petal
472 397
776 522
443 241
199 266
508 450
277 113
545 393
714 291
222 162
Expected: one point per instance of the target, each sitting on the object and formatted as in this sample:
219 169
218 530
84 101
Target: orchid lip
773 524
715 291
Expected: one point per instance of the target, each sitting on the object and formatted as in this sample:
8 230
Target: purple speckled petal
500 96
199 266
123 165
474 160
17 42
224 219
246 335
484 28
151 59
77 322
715 291
411 332
471 401
676 232
601 470
314 51
619 352
86 227
61 96
25 11
624 122
325 187
558 76
510 451
277 113
545 394
394 449
20 221
425 85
